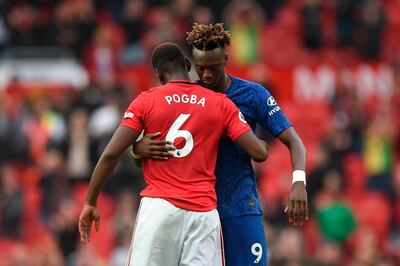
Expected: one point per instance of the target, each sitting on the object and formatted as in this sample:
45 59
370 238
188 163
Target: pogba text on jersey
185 98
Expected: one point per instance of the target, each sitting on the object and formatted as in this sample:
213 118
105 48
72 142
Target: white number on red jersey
174 133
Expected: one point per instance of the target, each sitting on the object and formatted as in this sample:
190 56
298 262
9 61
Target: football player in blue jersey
238 202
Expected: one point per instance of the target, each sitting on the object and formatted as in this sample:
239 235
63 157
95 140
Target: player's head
169 62
208 49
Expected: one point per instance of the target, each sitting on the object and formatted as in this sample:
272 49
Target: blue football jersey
236 186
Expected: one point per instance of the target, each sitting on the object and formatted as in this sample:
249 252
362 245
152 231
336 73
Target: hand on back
147 148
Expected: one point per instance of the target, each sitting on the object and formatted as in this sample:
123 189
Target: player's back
194 119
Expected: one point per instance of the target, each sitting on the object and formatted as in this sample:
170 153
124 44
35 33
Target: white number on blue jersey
256 249
174 133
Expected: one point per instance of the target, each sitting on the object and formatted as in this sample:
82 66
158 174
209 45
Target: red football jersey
194 119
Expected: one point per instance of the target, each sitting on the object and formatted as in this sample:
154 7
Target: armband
299 175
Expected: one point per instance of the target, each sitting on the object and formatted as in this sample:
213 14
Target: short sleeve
268 113
235 123
135 114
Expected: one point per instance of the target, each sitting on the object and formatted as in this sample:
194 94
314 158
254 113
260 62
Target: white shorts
165 235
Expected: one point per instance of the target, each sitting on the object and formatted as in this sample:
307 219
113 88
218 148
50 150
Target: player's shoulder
250 86
219 96
152 90
151 93
207 92
144 96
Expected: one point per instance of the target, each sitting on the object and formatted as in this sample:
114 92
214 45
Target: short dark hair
208 37
168 57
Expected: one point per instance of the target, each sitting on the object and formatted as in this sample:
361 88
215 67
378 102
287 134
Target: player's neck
178 76
226 83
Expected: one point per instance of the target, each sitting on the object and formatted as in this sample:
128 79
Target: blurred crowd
51 138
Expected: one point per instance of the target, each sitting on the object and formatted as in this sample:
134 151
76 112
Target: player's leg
203 242
244 241
157 237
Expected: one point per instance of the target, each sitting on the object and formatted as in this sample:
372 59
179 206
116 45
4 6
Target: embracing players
177 222
238 202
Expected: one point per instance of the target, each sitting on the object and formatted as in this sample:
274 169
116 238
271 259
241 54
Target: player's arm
269 115
297 205
240 132
120 141
256 148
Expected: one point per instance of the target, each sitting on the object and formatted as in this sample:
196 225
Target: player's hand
88 215
147 148
297 207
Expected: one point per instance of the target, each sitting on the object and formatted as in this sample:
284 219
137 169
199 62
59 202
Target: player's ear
188 64
226 58
159 76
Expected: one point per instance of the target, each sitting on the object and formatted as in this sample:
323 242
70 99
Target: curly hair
208 37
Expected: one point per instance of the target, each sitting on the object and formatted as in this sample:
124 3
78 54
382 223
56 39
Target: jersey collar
182 81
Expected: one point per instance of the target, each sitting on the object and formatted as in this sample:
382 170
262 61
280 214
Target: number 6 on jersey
174 133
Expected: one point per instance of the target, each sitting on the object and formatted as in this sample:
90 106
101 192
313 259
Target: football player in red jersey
177 221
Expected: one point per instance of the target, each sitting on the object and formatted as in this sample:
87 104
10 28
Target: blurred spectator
84 256
160 27
334 217
101 56
133 22
367 252
63 225
102 124
288 250
121 250
378 152
53 183
74 23
244 20
315 178
372 23
312 25
181 11
3 34
78 156
202 15
125 215
217 7
329 254
394 241
12 139
337 143
345 21
11 203
22 23
43 127
271 7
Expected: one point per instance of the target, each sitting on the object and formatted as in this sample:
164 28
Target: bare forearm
291 139
256 148
298 155
102 171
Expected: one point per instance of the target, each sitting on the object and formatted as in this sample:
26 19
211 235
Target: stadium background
68 70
